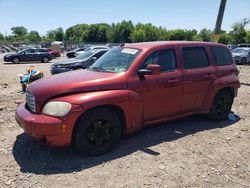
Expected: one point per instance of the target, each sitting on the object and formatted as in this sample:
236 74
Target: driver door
161 94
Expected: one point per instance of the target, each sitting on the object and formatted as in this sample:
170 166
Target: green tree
163 34
19 32
247 38
1 37
206 34
177 34
98 33
122 31
59 34
190 34
34 37
239 33
225 38
138 35
77 33
50 36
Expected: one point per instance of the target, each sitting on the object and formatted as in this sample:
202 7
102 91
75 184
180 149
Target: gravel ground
192 152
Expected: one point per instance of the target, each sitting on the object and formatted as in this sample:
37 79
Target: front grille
30 101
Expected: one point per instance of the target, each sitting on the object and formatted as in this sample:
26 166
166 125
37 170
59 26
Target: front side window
28 51
194 57
222 56
165 58
116 60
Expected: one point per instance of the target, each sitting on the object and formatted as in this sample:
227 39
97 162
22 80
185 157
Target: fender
230 81
128 101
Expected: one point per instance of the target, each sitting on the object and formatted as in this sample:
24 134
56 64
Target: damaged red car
129 87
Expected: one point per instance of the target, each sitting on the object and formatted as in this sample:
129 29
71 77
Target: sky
44 15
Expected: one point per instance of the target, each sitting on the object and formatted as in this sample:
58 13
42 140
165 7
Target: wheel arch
116 109
15 57
227 89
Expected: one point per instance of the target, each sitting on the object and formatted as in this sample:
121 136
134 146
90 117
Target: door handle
173 80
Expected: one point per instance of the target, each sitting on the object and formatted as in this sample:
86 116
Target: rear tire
16 60
45 60
221 106
97 131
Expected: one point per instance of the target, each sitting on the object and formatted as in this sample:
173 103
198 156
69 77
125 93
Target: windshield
237 50
21 52
85 55
116 60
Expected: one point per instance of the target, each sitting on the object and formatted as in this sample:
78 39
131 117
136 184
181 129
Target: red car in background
55 53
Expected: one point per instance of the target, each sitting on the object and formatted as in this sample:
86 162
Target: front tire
97 131
16 60
221 106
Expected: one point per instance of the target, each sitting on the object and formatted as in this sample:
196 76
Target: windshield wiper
99 69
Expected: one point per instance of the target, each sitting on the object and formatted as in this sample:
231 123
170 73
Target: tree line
126 32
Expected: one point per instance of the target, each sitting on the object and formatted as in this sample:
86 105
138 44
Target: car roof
99 50
149 45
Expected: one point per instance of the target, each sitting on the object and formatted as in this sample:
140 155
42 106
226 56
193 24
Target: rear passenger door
198 77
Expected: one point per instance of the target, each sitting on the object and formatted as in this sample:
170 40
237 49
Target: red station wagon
130 87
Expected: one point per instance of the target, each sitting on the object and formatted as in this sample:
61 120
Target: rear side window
222 56
165 58
194 57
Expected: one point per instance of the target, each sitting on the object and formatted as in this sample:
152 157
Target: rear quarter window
222 56
195 57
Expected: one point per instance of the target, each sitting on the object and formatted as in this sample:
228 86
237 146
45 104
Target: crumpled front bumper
49 130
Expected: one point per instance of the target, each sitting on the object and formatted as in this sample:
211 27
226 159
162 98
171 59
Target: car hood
239 54
78 81
68 61
12 54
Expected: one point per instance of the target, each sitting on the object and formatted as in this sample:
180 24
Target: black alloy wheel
221 106
97 131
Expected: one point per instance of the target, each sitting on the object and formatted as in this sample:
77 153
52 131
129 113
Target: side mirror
93 59
151 69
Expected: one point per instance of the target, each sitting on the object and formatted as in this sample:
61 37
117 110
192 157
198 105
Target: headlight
57 108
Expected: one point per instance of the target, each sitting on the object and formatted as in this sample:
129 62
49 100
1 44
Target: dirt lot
192 152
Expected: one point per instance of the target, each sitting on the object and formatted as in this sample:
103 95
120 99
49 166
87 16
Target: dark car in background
71 54
82 61
36 54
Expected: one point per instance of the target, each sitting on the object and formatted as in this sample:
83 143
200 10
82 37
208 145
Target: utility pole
219 21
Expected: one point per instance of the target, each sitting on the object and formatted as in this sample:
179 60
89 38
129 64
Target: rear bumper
48 130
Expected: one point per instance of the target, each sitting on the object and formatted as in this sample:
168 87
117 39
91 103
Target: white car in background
92 48
241 55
